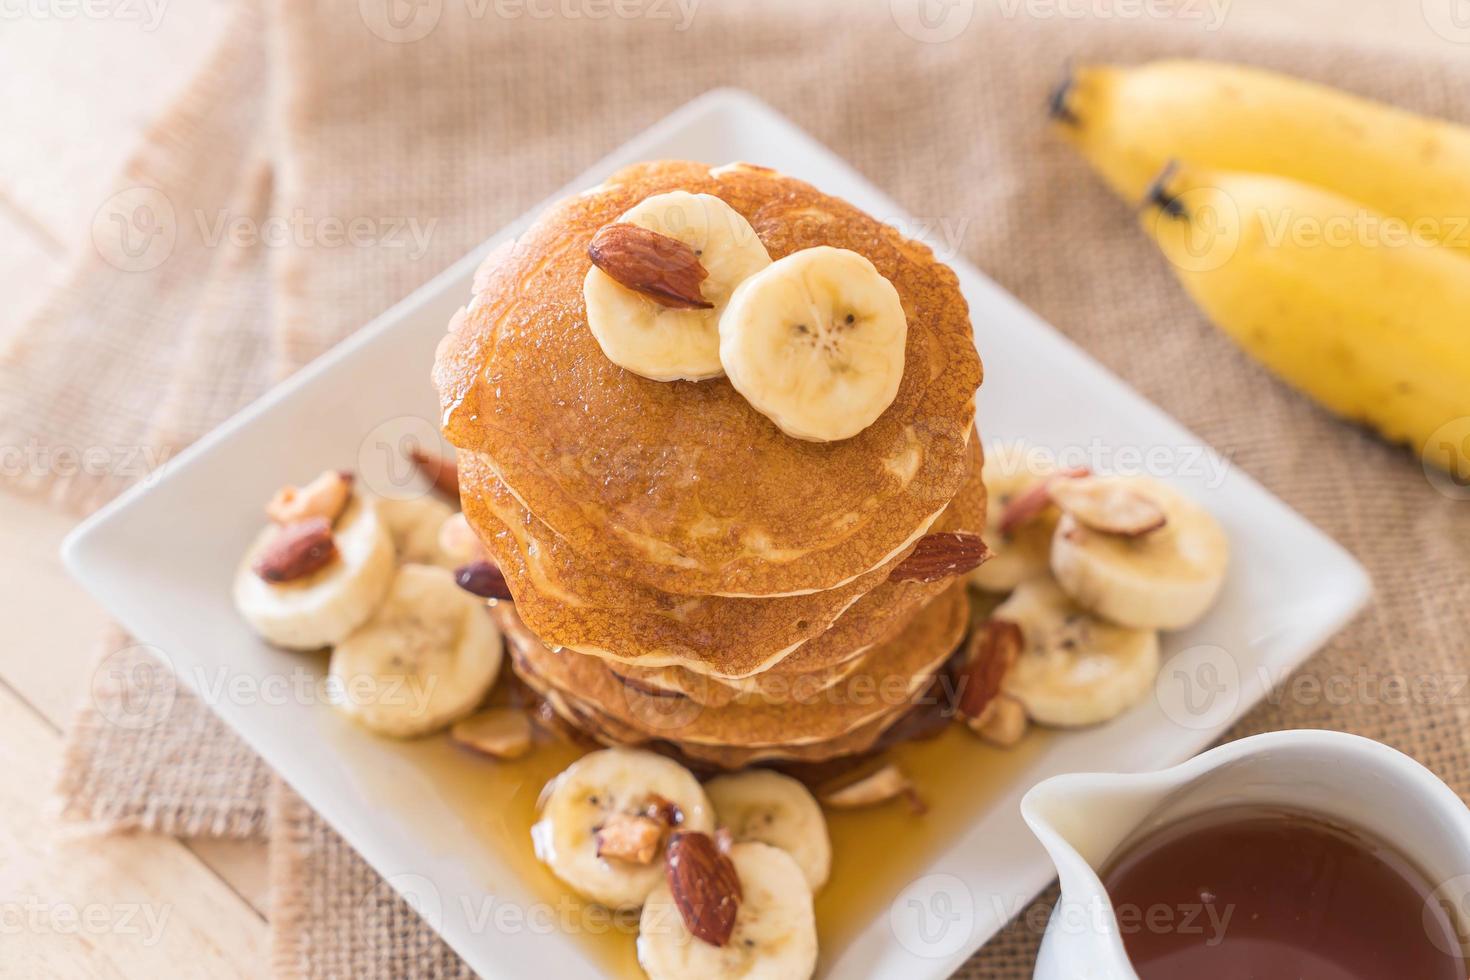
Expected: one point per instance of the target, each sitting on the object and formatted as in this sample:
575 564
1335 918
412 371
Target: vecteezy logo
932 21
933 917
385 456
1446 459
1199 688
135 229
401 21
1450 19
134 688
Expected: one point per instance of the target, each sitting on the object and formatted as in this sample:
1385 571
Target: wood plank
133 906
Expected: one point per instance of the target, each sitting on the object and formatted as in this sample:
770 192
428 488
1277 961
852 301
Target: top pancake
683 486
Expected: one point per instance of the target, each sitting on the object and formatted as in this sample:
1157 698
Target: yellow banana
1130 121
1374 328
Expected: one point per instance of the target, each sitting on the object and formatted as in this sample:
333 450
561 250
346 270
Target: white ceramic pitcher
1083 818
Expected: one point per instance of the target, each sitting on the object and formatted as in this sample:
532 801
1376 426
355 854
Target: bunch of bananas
1327 234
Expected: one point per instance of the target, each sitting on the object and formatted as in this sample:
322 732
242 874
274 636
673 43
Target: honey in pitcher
1251 893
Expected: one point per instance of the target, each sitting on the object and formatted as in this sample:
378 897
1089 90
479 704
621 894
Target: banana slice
815 342
1163 578
425 659
766 806
414 523
775 936
1023 551
616 791
659 342
1074 669
320 609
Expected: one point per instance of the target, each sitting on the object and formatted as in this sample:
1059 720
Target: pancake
922 717
684 486
891 674
568 602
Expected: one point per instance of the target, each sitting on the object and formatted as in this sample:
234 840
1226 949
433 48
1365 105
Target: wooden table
75 93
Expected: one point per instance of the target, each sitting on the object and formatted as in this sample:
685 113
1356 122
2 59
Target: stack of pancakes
683 572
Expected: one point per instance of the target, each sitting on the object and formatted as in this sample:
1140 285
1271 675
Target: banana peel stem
1157 195
1057 106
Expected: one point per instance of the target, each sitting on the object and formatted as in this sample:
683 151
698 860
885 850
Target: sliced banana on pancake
601 814
1020 544
1074 668
815 342
775 934
414 523
319 609
666 343
766 806
1137 552
426 658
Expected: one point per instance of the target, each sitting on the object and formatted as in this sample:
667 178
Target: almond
629 837
1002 723
994 647
664 810
941 555
325 497
662 268
887 783
705 887
1029 504
1109 507
504 733
296 551
484 579
442 471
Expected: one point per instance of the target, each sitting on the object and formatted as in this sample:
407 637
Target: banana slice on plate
425 659
1074 668
815 342
414 523
1017 532
665 343
1137 552
766 806
775 934
605 817
319 609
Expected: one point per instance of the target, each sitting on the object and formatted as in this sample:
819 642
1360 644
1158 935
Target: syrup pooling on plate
1278 894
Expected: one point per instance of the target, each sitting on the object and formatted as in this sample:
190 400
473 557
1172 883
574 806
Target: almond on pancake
682 485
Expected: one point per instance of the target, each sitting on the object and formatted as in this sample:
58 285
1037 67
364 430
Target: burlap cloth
314 113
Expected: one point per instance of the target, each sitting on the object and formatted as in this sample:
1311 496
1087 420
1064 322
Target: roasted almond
297 550
662 268
326 497
1029 504
1002 723
879 786
629 837
484 579
442 471
504 733
994 647
705 887
1109 507
941 555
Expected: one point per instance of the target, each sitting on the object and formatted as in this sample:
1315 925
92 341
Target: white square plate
161 557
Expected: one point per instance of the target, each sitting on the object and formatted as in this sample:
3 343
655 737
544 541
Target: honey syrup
957 776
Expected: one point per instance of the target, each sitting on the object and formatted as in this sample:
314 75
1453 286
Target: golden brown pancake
888 679
684 486
568 602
